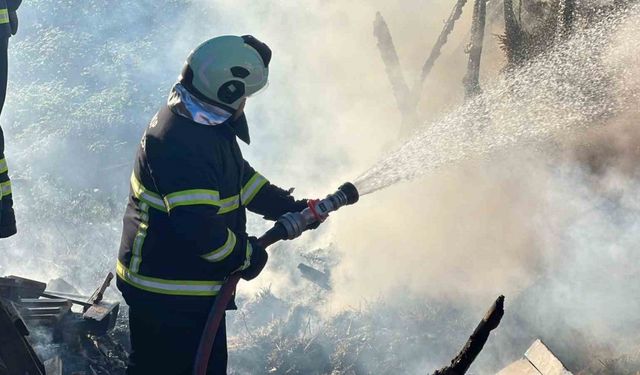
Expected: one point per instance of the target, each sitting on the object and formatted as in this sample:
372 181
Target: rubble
26 306
16 354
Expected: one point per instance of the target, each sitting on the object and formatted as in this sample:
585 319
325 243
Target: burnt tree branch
391 61
472 78
461 363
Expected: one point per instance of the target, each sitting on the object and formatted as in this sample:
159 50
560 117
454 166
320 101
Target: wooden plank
519 367
544 360
53 366
16 353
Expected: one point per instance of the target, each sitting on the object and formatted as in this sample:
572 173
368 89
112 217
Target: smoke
527 206
551 224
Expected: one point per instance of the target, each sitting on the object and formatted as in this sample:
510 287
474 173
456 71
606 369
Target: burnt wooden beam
436 50
315 276
461 363
456 12
391 61
389 55
16 354
513 38
472 78
408 98
568 15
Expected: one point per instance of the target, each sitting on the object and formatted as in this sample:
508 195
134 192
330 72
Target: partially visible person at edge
185 224
8 27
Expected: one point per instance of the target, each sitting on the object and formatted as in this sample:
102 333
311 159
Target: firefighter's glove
258 260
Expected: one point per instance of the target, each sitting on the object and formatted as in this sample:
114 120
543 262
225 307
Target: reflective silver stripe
192 197
247 259
171 287
3 165
6 188
147 196
229 204
138 240
223 251
251 188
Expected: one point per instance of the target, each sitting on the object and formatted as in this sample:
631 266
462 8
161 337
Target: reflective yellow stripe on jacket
3 166
251 188
144 195
170 287
5 187
192 197
223 251
4 16
198 196
247 259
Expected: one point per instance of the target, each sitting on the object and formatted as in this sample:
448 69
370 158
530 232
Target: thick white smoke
532 221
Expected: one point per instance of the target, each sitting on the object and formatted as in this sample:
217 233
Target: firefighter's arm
266 199
190 192
8 17
199 225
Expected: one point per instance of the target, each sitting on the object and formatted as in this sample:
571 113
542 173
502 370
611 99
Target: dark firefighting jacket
185 223
8 27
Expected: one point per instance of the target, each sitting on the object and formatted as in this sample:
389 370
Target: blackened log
568 15
472 78
456 12
461 363
416 91
315 276
391 62
17 355
513 38
406 98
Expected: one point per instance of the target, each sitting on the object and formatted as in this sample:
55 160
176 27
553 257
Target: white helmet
226 69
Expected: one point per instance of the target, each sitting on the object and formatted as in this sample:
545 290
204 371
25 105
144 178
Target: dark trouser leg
7 216
165 342
219 356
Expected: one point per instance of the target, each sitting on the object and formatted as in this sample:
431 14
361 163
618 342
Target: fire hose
287 227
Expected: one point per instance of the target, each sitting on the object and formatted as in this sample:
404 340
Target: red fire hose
222 301
289 226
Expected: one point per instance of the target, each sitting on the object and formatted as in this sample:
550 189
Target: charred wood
315 276
472 78
16 354
461 363
568 15
513 38
391 61
456 12
394 72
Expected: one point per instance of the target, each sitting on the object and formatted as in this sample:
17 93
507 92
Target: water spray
289 226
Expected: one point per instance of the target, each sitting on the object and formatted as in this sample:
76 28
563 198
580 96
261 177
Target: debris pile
69 330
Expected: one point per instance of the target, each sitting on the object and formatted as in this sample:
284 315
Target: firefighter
185 223
8 27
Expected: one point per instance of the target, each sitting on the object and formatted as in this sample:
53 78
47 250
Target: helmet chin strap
240 109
